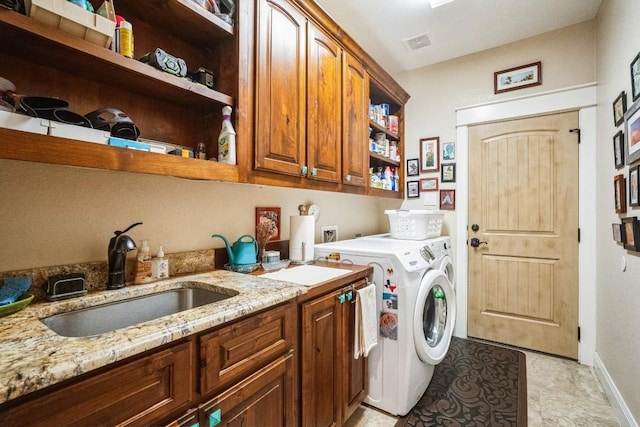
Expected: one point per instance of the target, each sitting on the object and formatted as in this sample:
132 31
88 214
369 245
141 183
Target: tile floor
560 393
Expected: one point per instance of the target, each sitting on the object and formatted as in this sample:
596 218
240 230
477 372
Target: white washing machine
417 309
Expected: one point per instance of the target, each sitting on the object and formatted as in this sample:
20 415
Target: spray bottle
227 139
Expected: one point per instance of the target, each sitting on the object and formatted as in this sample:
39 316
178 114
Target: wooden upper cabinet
280 88
324 115
355 120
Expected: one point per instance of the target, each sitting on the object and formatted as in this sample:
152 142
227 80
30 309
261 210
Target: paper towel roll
301 239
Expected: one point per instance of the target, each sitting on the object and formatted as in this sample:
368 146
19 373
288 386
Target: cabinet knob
348 178
341 298
349 295
304 170
314 171
215 418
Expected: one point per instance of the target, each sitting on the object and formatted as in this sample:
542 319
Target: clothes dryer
416 310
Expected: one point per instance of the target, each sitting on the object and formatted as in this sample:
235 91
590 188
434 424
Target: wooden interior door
523 209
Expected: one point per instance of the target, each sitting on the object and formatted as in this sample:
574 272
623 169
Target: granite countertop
34 357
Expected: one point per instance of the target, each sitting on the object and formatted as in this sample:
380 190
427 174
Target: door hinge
576 130
578 333
578 234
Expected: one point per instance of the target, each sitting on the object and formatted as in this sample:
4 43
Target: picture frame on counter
620 201
631 239
619 108
517 77
618 149
266 214
413 167
618 232
429 154
632 132
634 184
448 173
635 78
428 184
448 200
413 189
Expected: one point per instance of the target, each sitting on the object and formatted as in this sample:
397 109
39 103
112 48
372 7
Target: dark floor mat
477 384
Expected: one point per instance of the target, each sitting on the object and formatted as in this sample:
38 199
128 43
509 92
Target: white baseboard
620 408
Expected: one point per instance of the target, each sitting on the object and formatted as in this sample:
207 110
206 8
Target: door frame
583 99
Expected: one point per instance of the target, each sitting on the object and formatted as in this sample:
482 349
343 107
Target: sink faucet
119 245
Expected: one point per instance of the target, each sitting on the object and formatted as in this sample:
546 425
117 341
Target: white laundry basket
411 224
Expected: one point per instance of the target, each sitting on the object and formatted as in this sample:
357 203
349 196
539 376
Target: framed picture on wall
631 233
632 132
618 232
633 186
448 172
413 167
413 189
448 200
268 219
619 108
635 77
517 77
428 184
448 151
429 154
619 194
618 149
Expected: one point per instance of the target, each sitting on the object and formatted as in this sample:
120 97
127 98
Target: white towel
366 336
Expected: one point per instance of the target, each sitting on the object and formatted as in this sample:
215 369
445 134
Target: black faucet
119 245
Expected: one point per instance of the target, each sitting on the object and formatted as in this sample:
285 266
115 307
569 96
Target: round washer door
447 268
434 317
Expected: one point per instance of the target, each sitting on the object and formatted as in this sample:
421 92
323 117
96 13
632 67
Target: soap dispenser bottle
143 265
160 266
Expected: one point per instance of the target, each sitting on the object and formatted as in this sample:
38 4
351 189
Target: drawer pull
215 418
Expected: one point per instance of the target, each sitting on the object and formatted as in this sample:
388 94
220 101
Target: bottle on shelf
227 139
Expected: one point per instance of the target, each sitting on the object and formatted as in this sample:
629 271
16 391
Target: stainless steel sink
120 314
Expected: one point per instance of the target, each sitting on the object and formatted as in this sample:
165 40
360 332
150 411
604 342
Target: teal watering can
241 252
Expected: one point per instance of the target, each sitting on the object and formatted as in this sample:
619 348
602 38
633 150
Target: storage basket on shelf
414 224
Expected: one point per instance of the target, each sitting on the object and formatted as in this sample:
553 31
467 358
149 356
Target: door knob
475 242
475 227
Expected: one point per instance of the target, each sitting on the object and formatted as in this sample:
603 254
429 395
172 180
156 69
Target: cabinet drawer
237 350
137 393
263 399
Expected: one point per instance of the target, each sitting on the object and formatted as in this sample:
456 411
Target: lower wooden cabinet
263 399
333 382
140 392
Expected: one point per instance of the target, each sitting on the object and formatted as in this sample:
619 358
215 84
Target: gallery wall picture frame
429 154
631 238
448 172
632 132
618 232
413 167
413 189
634 184
448 200
619 108
266 214
635 77
428 184
448 151
620 200
517 77
618 149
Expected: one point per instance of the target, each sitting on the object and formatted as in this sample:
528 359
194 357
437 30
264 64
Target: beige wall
618 292
54 215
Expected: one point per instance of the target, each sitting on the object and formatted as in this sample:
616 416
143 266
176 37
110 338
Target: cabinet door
355 120
354 380
140 392
233 352
324 115
319 367
266 398
280 88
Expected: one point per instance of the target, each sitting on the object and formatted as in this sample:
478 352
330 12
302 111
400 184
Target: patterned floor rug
477 384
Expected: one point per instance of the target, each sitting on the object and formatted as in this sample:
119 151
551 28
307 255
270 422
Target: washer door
447 268
434 317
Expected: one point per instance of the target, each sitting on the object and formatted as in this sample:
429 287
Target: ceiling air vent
417 42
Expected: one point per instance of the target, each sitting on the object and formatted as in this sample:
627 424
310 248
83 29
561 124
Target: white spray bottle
227 139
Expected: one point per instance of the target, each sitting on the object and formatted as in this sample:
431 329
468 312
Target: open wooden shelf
18 145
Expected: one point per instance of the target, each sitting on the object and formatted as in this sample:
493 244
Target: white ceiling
454 29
